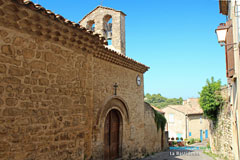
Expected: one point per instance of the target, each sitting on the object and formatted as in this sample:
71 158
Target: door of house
201 135
111 136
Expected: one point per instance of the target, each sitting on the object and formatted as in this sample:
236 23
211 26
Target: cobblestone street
181 154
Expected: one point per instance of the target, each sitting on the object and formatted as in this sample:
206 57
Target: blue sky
176 39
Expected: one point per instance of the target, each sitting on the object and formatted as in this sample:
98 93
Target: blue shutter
206 133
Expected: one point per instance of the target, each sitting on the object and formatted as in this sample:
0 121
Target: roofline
184 112
106 54
176 110
194 114
101 7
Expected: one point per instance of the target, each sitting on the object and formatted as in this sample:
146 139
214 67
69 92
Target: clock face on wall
138 80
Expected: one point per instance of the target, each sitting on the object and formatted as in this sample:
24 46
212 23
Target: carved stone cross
115 89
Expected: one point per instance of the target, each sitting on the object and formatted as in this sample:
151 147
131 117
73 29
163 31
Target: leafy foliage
160 120
197 140
191 141
210 99
159 101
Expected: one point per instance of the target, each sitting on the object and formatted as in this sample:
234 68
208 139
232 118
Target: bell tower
109 23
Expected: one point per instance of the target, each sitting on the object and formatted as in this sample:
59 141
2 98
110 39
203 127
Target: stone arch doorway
112 135
120 107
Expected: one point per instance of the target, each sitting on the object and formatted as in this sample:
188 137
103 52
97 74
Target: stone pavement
181 154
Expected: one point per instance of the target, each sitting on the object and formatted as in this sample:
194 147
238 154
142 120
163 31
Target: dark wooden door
111 136
107 138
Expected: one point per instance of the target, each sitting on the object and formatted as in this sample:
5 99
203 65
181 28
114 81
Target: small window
171 118
190 134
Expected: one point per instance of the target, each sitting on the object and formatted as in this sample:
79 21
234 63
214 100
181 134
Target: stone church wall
45 86
105 76
45 102
55 79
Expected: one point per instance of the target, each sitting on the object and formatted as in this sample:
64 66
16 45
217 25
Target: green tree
159 101
210 99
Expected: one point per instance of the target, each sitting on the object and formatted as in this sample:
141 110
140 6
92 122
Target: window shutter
229 51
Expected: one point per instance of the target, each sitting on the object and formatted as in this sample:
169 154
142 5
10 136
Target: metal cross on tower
115 89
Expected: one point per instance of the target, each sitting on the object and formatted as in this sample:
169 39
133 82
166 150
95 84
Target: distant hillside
159 101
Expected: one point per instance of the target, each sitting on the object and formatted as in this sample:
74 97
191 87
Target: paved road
181 154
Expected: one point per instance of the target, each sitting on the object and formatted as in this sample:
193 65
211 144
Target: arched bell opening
107 27
91 25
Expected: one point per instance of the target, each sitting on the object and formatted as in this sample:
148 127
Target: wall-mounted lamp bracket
222 44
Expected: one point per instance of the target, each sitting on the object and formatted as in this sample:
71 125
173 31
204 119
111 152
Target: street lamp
221 32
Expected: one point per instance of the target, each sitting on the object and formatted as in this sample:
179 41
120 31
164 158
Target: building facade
197 126
176 122
187 120
231 9
64 94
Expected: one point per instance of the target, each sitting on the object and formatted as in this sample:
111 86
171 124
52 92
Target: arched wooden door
112 135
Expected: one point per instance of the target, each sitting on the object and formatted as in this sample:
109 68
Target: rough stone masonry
56 90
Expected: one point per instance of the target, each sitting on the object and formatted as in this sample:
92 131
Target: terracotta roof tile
187 109
191 107
42 10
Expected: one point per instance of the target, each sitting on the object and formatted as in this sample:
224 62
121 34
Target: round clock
138 80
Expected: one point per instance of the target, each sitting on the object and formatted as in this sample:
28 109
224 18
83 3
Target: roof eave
125 61
194 114
177 110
